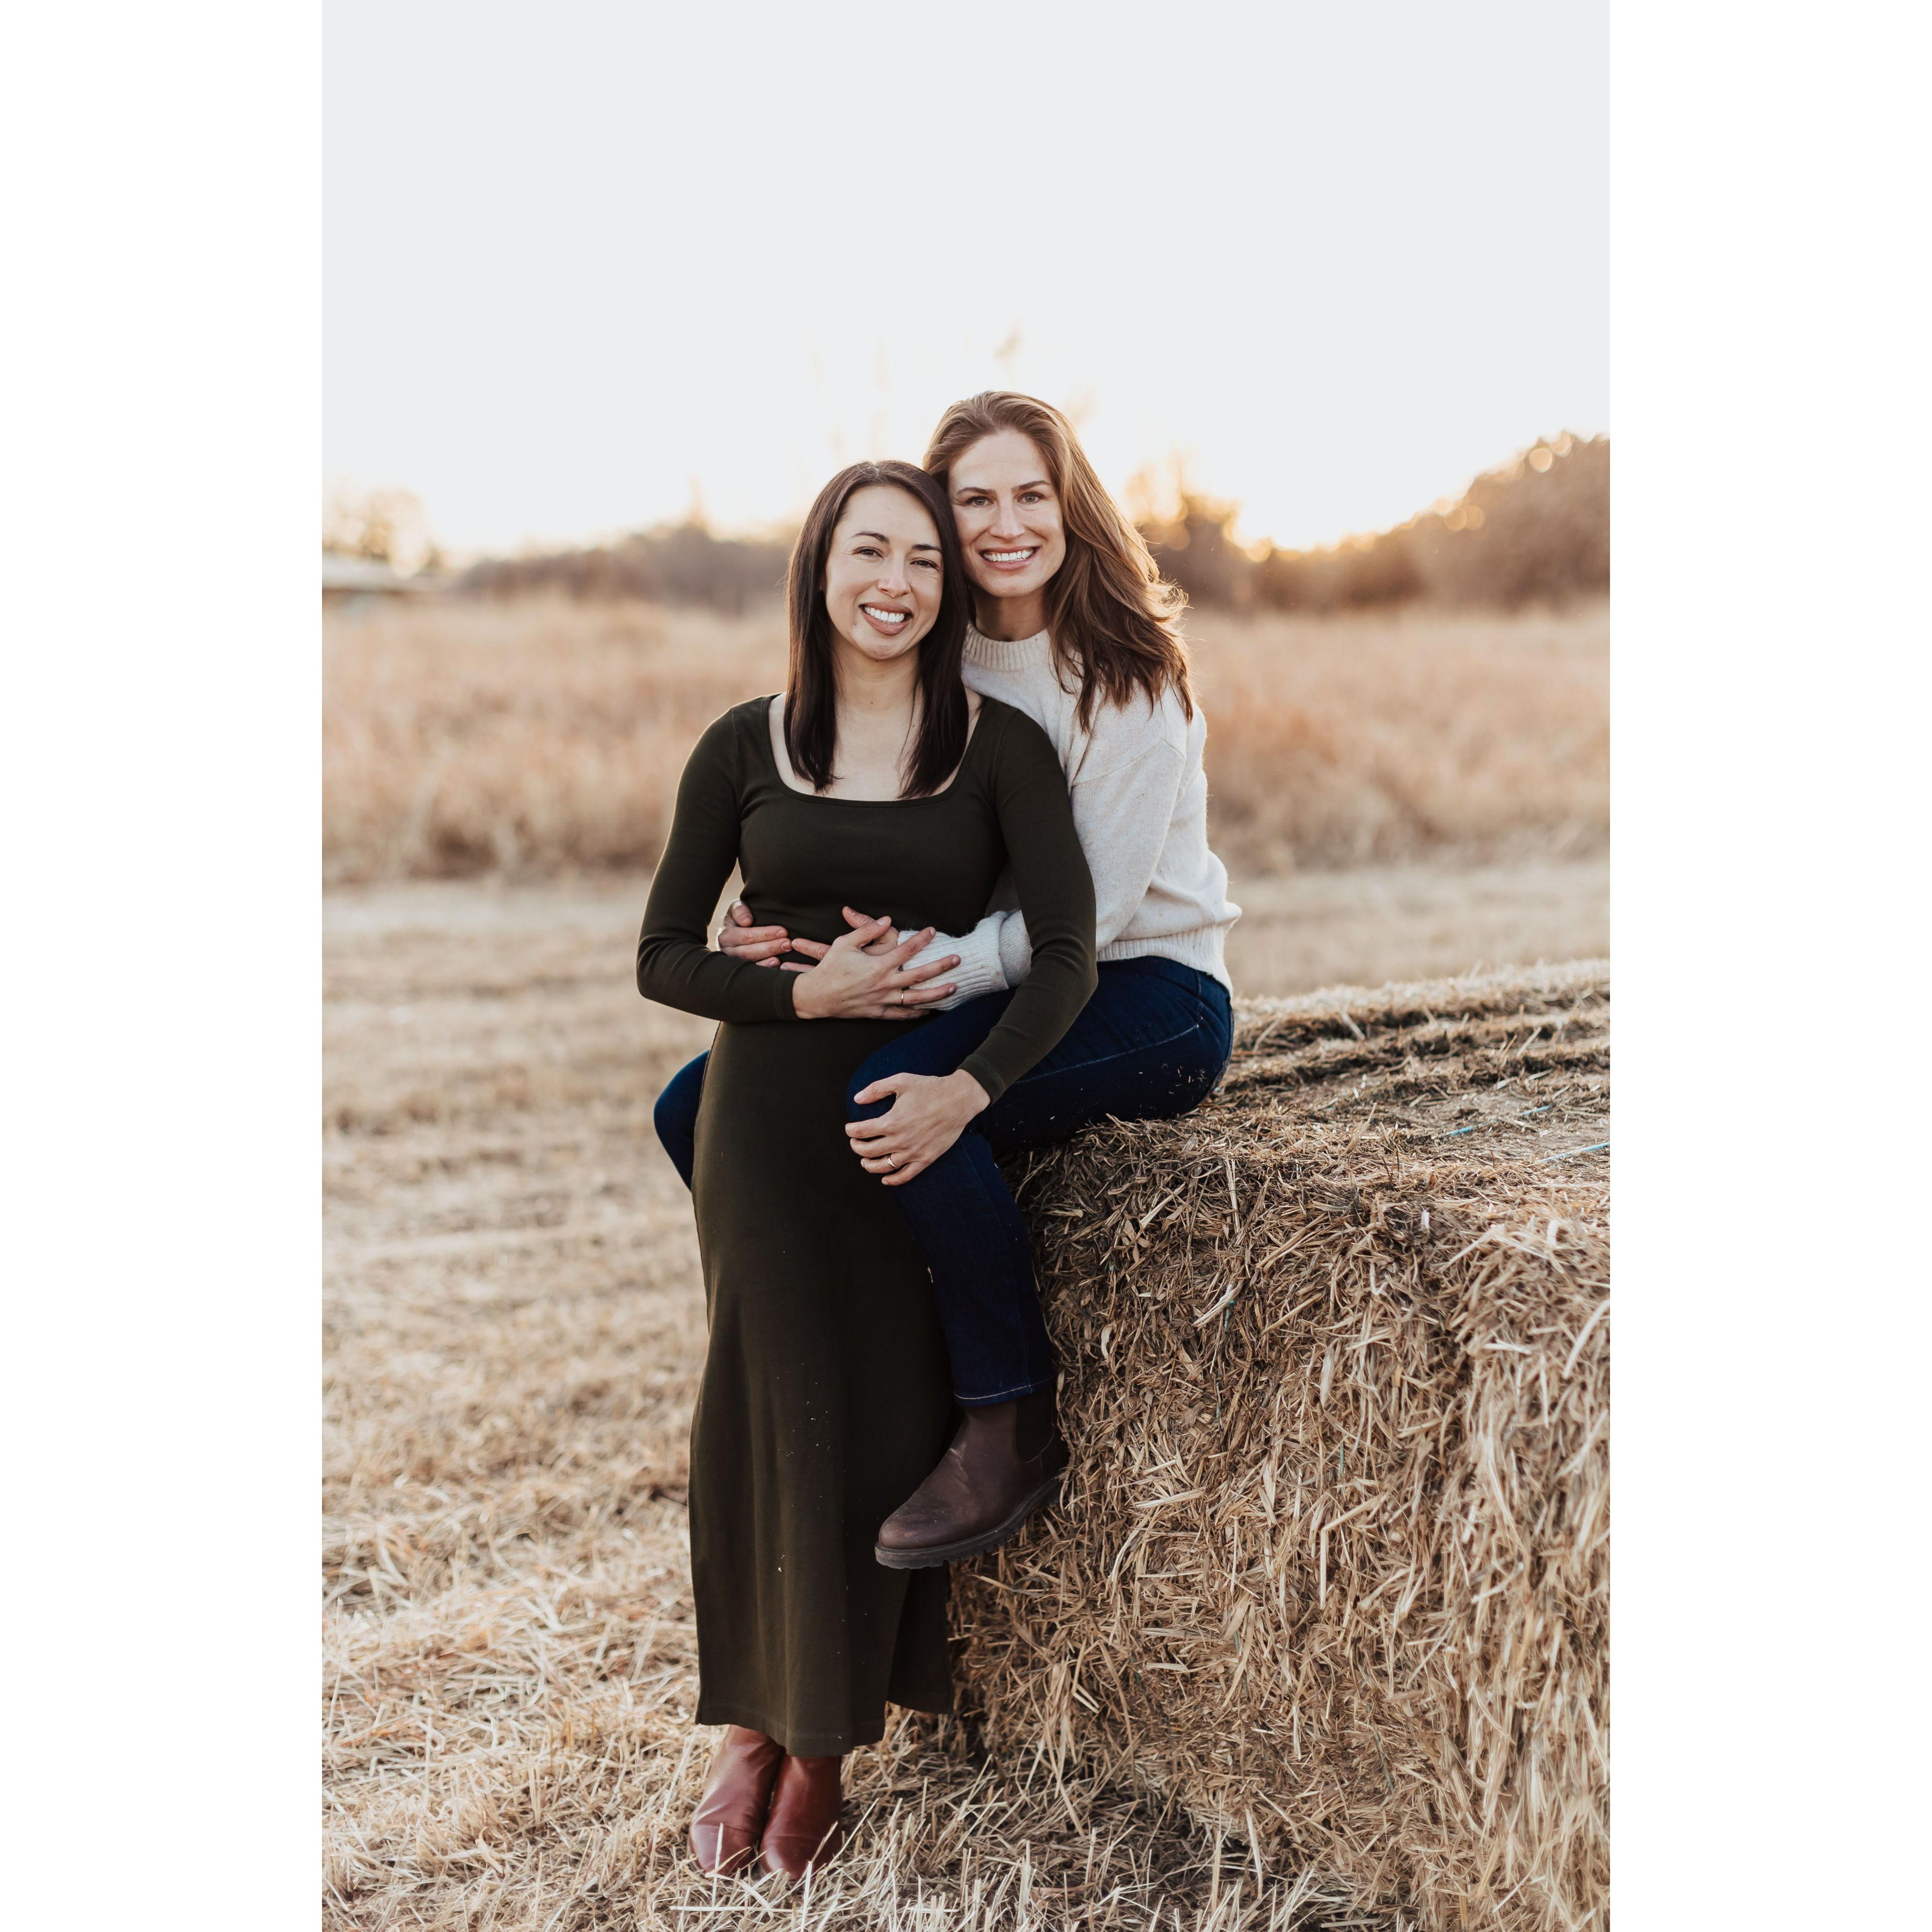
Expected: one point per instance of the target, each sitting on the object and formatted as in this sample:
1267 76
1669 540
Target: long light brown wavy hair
1113 622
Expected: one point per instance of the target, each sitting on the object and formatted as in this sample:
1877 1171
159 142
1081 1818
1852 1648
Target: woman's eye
925 563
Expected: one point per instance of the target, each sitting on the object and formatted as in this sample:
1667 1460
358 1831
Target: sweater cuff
1015 950
981 970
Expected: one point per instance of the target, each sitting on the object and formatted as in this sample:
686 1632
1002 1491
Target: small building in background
348 581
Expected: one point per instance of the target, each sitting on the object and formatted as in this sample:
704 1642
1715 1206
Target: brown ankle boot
1005 1462
803 1828
730 1816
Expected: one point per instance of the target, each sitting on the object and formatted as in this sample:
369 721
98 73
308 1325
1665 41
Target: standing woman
824 1399
1074 629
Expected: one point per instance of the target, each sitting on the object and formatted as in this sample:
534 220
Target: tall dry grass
466 737
469 737
1333 740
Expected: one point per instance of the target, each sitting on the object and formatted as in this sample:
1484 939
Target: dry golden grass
463 737
514 1330
515 1327
1333 740
1332 1565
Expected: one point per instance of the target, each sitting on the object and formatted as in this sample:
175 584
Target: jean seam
1000 1395
1145 1046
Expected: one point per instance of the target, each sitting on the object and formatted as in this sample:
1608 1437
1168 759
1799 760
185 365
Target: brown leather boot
803 1828
1005 1462
730 1816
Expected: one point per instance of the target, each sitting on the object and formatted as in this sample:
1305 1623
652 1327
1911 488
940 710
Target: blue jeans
1149 1044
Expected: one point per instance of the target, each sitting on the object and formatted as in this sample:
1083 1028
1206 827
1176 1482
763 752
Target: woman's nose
1006 519
893 581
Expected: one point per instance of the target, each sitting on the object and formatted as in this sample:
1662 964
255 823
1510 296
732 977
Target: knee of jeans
675 1119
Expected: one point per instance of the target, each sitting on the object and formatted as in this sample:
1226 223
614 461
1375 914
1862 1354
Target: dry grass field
463 736
514 1318
514 1330
514 1325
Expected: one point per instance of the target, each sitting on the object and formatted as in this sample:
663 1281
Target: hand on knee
926 1115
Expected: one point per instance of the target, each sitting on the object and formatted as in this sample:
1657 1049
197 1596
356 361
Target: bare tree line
1533 530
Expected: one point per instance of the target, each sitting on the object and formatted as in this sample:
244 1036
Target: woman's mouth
886 620
1009 560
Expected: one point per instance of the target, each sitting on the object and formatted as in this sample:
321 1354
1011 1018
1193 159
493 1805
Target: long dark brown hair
812 692
1114 622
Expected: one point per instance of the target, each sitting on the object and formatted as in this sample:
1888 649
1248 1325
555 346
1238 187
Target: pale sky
587 257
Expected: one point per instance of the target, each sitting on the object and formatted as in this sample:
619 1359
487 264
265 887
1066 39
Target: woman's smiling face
1008 513
883 576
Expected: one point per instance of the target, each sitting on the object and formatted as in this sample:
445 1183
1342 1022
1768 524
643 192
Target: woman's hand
739 938
862 975
929 1113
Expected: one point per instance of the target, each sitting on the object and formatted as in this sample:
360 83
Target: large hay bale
1332 1568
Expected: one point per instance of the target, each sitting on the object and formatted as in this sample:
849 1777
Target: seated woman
1074 629
825 1398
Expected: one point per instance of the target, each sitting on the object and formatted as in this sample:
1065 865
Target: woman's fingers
916 997
899 954
737 935
911 975
860 937
812 949
743 947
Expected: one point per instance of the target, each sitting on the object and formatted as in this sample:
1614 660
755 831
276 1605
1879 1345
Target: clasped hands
863 975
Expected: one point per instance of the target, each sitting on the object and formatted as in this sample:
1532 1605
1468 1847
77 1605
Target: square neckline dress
826 1398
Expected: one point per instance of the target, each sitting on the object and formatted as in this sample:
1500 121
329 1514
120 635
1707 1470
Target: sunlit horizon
589 278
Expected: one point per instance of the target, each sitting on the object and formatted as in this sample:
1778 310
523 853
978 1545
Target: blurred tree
383 526
1196 548
677 563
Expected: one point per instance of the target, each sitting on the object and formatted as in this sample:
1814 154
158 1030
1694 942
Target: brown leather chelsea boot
1004 1462
730 1816
803 1828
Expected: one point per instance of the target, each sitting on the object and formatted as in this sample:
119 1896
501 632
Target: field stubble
514 1320
514 1326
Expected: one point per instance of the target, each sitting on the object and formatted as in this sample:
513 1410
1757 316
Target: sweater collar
1003 654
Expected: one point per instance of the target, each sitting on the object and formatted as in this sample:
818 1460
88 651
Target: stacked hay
1332 1568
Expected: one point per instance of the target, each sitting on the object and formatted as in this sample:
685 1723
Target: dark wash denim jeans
1149 1044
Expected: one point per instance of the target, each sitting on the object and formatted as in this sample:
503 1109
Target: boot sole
936 1556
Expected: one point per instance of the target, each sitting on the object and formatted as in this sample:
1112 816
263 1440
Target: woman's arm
1123 812
675 966
1056 895
929 1112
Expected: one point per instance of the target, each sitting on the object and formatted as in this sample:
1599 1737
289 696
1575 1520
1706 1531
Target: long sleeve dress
826 1398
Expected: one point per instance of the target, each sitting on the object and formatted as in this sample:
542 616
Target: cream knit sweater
1140 805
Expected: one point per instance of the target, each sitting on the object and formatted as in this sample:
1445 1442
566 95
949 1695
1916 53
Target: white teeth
873 611
1006 555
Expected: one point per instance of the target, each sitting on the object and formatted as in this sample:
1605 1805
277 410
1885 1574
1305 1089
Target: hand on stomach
862 975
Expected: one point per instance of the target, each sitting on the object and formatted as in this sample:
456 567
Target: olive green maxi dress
826 1398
